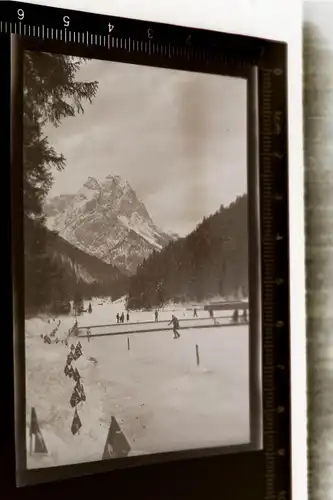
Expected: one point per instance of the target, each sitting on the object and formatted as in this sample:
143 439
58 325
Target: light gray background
318 145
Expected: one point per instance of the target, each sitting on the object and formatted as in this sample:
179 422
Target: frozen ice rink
162 400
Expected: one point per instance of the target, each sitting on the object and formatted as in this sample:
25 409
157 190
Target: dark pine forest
210 261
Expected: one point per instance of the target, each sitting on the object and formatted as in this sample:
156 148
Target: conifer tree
51 93
212 260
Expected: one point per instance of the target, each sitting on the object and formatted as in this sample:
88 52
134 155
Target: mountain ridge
106 219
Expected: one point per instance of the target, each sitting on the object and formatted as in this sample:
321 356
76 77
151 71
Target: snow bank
161 399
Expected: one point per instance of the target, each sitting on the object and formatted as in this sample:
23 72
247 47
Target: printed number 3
20 14
150 33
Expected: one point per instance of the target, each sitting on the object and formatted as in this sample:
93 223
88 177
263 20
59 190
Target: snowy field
162 400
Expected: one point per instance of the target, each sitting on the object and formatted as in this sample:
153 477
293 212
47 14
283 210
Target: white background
274 19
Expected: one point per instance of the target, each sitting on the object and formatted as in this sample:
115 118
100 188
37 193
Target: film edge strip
273 164
275 407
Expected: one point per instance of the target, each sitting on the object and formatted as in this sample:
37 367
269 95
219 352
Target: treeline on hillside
210 261
92 276
56 273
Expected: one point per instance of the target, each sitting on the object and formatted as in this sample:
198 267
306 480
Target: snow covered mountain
107 220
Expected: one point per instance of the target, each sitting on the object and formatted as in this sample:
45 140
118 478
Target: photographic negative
141 260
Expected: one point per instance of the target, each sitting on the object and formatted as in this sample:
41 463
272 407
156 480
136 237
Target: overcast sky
178 138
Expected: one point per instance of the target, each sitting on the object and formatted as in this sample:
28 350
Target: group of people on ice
121 317
195 314
236 318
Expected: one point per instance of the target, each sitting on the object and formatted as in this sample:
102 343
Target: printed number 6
150 33
20 14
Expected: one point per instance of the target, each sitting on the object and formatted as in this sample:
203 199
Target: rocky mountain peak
91 183
106 219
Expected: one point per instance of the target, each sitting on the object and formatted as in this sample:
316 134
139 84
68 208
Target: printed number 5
150 33
20 14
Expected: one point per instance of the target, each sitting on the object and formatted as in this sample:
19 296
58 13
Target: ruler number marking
277 122
20 14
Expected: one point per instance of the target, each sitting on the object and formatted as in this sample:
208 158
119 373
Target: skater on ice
127 316
122 317
117 317
195 313
211 314
156 315
244 316
235 316
90 308
175 324
88 334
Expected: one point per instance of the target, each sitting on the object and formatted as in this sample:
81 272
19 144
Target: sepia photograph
136 260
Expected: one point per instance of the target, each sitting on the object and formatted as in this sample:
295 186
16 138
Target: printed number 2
20 14
150 33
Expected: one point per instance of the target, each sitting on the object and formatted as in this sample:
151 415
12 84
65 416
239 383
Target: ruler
275 253
175 43
115 32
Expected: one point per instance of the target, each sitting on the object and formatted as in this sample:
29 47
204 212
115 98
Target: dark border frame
19 46
251 475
